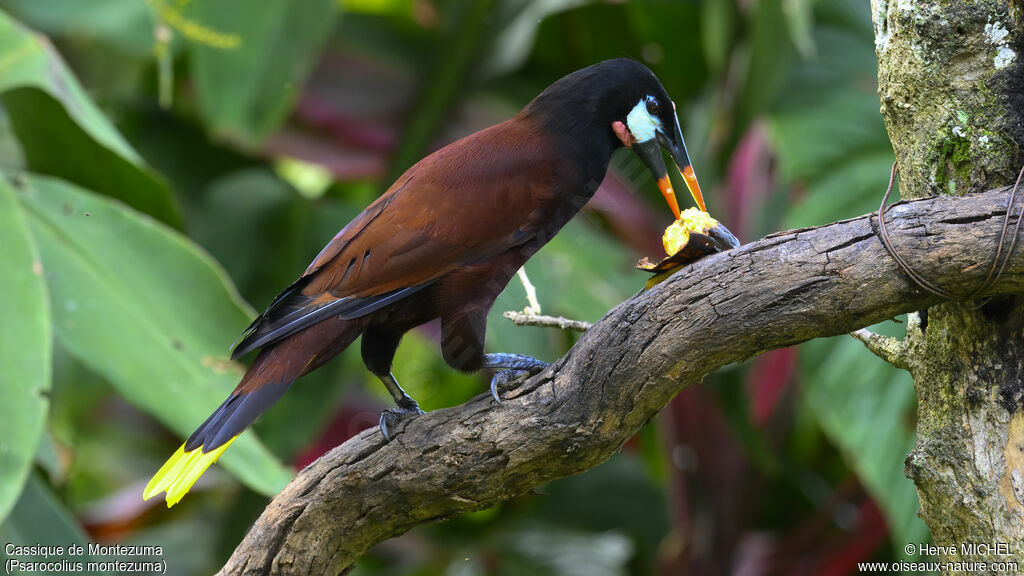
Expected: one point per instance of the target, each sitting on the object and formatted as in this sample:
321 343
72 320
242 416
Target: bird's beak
650 153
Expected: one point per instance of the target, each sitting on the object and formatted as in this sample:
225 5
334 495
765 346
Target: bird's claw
391 417
502 380
510 368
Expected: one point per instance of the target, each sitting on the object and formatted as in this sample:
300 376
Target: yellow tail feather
181 471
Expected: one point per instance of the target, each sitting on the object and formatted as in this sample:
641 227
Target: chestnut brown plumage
443 242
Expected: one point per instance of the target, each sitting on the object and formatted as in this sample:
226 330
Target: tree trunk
952 93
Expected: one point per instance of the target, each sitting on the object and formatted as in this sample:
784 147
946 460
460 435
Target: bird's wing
468 202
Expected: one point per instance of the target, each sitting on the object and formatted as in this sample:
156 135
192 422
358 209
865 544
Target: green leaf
25 348
141 305
246 91
800 21
63 133
467 30
517 31
124 24
771 53
11 156
852 188
39 518
563 552
868 413
718 28
572 499
826 126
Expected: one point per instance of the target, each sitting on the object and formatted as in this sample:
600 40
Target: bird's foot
510 367
390 418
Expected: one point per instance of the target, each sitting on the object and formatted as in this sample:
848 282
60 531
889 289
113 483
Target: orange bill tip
691 183
670 196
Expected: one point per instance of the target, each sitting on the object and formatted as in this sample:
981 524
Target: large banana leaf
144 307
61 131
124 24
247 82
25 347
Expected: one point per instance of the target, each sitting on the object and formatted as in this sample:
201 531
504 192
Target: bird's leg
406 406
509 367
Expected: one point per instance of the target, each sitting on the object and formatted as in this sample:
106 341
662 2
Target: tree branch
784 289
892 350
562 323
533 305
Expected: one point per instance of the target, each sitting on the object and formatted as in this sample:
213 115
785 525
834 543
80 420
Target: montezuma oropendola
443 242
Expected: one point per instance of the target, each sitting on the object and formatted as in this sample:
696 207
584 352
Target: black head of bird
442 243
620 102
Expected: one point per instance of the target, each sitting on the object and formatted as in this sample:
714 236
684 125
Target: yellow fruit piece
678 234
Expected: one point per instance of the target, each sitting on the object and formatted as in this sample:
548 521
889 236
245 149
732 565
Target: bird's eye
653 107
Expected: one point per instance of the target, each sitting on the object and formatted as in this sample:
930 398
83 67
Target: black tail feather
290 313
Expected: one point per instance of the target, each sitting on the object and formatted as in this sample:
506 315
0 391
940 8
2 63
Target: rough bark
779 291
952 93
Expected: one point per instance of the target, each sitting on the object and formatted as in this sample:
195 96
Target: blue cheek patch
641 124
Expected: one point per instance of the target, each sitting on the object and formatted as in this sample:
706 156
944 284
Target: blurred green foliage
163 163
143 307
25 345
47 108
